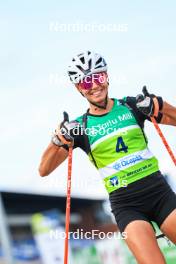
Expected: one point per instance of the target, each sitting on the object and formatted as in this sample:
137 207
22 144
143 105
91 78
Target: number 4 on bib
121 145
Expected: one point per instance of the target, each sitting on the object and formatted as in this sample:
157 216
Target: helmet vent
72 72
81 69
99 60
82 60
90 64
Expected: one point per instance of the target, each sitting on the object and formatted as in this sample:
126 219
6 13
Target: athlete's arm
52 157
57 151
169 114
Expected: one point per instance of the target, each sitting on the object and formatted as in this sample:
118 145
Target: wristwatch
56 141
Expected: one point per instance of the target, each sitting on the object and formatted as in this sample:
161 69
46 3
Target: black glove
64 135
149 104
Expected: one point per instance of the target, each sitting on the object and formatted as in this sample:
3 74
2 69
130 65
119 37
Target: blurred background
38 40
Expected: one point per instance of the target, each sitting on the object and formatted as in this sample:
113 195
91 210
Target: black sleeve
79 140
131 101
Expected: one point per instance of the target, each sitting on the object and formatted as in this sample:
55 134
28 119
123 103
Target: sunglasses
88 81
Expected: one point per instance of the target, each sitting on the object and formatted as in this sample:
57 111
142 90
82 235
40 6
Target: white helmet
85 64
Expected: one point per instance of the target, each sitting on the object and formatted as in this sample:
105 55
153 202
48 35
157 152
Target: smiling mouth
97 92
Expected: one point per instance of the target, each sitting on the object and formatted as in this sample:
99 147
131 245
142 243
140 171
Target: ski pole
68 201
145 92
67 217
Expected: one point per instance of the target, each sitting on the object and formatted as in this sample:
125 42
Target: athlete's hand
145 104
64 133
149 104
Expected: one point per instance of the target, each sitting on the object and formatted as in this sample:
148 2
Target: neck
99 111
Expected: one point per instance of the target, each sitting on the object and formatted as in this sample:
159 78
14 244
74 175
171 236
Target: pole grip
145 91
66 116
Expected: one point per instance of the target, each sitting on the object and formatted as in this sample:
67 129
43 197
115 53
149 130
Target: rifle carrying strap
86 138
136 117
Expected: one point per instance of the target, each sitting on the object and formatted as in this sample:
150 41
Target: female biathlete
111 133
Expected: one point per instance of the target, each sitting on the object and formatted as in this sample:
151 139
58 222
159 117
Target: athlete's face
94 87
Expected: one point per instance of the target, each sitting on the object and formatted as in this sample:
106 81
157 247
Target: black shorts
149 199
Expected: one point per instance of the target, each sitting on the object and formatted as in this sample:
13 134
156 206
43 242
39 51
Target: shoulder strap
135 115
86 139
